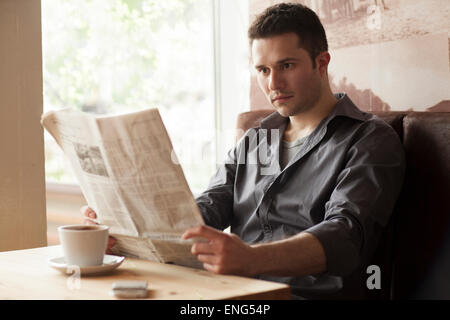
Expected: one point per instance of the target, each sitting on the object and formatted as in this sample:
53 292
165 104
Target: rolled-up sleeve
363 199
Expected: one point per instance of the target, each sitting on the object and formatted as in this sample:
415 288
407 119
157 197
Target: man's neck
304 123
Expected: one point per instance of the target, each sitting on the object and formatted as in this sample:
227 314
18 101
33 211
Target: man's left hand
223 253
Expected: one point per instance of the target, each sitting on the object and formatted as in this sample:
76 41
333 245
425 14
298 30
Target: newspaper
129 174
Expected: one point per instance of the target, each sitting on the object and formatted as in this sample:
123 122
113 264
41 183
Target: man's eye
263 70
287 65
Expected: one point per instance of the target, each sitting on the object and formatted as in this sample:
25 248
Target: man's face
285 73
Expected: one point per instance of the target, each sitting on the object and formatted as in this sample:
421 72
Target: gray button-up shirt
341 187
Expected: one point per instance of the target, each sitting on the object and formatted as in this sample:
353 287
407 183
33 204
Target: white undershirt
289 150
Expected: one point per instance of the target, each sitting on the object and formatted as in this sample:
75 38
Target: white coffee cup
83 245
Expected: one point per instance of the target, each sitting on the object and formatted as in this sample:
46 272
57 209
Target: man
309 210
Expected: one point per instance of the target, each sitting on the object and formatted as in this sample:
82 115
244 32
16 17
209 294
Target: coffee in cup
83 245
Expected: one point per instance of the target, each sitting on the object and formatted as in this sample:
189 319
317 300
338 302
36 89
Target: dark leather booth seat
421 265
414 250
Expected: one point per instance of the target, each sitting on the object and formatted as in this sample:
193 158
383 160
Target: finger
211 267
208 258
203 248
89 221
111 242
203 232
88 212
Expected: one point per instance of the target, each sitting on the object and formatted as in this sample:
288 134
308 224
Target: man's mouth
283 98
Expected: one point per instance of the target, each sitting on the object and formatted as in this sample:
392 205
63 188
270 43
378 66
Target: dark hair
291 17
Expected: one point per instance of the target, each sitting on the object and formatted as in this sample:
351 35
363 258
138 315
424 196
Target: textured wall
386 54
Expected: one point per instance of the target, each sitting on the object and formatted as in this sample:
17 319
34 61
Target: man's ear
322 61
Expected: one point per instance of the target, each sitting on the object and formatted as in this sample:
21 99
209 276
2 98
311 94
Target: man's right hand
89 218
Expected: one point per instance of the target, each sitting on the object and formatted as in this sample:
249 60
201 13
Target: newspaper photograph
128 174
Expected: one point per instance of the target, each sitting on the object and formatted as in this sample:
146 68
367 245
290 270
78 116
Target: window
232 70
115 56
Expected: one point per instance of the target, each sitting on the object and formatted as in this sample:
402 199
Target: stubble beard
299 107
304 103
307 103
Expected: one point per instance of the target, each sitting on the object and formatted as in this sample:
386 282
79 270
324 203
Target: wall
385 54
22 181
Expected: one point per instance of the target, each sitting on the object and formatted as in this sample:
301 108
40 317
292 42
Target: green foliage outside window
116 56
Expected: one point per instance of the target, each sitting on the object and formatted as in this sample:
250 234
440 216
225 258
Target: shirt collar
344 107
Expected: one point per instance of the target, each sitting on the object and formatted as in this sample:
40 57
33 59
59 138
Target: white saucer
109 263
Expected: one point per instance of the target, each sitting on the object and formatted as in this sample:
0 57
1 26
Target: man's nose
276 81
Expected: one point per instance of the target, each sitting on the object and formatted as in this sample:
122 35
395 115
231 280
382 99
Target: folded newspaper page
129 174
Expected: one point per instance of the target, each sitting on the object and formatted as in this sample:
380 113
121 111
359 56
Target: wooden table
26 274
